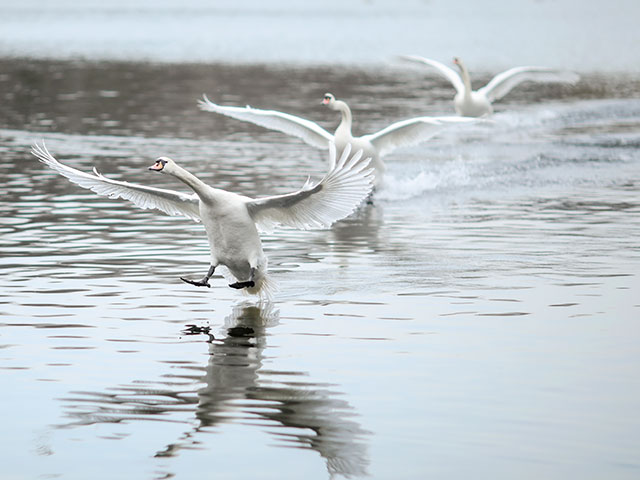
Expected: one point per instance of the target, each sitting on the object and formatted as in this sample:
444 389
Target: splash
425 179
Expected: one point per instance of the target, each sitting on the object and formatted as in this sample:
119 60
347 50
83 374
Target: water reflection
233 387
360 230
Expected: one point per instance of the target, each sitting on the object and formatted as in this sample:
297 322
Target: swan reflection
232 388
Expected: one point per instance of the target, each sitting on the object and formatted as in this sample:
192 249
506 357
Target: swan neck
347 119
466 80
189 179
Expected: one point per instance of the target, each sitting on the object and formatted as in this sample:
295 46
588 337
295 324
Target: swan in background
475 103
400 134
230 219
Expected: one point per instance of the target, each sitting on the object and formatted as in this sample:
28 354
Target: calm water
595 35
479 320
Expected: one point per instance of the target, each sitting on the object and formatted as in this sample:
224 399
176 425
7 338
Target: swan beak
325 101
158 166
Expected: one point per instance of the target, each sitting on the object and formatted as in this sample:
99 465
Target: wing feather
310 132
336 196
168 201
447 72
502 83
411 132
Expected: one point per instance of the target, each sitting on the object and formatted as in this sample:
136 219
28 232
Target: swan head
458 63
328 100
162 164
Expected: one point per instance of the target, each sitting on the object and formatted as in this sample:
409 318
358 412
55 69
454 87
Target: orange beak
156 166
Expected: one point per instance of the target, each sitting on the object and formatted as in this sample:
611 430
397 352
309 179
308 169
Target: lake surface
479 319
592 36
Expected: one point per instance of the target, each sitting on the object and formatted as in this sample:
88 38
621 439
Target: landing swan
230 219
400 134
475 103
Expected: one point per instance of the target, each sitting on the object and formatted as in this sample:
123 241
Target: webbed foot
198 283
240 285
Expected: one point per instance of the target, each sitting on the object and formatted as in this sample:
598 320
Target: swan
231 220
400 134
476 103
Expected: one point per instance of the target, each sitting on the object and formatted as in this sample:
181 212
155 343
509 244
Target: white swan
230 219
475 103
400 134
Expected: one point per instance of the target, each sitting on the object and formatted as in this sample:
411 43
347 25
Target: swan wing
502 83
411 132
168 201
337 195
310 132
447 72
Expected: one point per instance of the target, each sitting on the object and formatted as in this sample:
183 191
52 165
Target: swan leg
205 280
248 284
369 199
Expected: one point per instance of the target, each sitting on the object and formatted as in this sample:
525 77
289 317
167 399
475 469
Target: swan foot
198 283
204 282
369 199
240 285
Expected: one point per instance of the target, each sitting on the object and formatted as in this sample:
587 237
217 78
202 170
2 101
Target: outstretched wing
411 132
502 83
308 131
337 195
447 72
168 201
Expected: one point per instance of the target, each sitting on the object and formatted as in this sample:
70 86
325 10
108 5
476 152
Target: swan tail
265 287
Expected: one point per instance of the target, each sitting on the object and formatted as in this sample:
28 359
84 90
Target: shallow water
479 319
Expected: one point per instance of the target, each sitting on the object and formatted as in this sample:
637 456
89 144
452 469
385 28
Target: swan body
472 104
476 103
400 134
230 220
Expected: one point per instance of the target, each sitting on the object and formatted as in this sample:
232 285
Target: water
479 319
590 36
